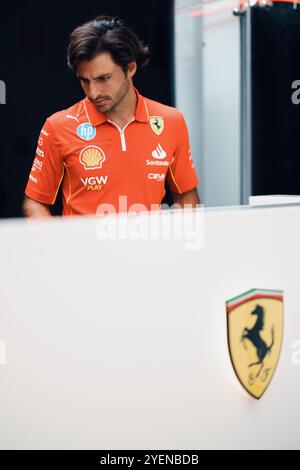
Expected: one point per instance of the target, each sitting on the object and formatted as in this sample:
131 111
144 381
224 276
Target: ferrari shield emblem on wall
255 331
157 124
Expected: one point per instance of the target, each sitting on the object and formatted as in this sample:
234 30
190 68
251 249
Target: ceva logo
2 92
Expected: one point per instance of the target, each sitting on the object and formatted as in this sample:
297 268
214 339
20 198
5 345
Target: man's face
104 82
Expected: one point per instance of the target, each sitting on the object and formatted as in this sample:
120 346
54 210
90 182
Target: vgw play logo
2 92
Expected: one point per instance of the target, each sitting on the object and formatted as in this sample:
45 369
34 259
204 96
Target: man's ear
132 68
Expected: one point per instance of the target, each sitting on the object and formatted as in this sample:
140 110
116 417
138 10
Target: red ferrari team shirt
95 162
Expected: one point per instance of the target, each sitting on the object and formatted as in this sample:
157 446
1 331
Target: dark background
33 45
275 119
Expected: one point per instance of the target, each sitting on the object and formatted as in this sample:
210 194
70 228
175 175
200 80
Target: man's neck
125 110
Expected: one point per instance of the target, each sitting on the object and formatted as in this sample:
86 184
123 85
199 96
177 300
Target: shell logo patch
92 157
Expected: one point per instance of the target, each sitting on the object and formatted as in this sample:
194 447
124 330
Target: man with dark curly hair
113 150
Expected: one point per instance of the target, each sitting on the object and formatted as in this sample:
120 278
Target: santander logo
159 153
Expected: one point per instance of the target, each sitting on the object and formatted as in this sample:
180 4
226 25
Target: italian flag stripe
252 295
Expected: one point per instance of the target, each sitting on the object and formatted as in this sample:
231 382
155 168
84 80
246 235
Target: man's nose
93 91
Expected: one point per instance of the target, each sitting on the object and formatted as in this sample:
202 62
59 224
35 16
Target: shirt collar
96 118
141 112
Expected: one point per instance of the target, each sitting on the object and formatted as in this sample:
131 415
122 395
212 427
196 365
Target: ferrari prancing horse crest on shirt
157 124
255 331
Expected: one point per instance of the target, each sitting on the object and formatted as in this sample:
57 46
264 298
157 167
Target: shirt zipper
122 133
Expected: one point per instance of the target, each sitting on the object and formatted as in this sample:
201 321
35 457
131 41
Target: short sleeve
47 169
182 175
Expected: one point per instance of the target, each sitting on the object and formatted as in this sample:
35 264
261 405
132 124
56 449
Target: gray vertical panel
189 83
246 108
222 113
2 92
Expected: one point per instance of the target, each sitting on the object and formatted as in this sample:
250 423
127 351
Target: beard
116 100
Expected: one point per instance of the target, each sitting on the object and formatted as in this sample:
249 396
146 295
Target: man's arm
35 209
190 197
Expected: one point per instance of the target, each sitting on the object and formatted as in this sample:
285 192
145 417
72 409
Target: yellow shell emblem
92 157
157 124
255 331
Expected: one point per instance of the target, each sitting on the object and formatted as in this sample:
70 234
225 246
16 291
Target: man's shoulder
161 110
62 117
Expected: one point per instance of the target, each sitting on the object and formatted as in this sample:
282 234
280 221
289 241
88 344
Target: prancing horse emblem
255 330
157 124
254 337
